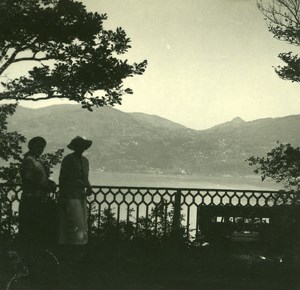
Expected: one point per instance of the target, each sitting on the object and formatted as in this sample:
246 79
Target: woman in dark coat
74 187
36 185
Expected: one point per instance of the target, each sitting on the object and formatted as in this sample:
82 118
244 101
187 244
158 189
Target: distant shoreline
250 182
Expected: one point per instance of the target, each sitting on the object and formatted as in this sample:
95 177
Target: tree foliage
10 142
281 164
154 230
283 20
66 52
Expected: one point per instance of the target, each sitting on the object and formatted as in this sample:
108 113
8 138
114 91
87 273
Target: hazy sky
209 61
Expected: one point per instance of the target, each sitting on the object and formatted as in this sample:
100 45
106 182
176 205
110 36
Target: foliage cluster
281 164
63 52
283 20
155 231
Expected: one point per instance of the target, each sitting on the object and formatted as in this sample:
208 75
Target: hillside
137 142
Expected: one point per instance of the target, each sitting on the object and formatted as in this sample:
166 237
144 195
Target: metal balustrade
179 205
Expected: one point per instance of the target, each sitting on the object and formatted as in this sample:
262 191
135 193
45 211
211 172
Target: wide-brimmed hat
36 141
80 143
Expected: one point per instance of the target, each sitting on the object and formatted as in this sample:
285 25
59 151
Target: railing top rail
187 188
171 188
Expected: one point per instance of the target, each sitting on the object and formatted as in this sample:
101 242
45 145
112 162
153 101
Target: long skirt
31 221
72 228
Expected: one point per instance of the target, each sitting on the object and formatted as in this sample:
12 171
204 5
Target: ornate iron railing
178 205
130 203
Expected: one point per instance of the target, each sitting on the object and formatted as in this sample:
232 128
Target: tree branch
44 98
5 95
31 59
273 11
294 13
9 61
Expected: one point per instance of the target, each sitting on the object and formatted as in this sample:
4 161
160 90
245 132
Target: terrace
156 238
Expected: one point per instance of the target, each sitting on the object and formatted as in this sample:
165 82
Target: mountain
137 142
234 123
156 121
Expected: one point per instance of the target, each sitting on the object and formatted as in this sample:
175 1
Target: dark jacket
74 176
34 177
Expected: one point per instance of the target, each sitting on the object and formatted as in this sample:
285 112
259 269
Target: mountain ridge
138 142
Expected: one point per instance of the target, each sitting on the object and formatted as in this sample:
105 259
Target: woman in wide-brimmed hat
74 187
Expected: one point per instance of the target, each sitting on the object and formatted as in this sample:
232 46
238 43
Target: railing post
176 223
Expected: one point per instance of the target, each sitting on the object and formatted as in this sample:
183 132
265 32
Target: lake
179 181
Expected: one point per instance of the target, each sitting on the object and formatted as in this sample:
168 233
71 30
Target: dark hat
36 141
80 143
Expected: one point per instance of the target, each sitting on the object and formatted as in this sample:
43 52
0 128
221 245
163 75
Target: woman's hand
51 186
89 191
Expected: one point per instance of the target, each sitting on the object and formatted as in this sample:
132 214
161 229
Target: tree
66 52
283 20
281 164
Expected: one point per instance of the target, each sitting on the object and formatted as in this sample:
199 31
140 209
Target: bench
244 223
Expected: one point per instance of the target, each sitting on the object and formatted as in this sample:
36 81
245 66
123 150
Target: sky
209 61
